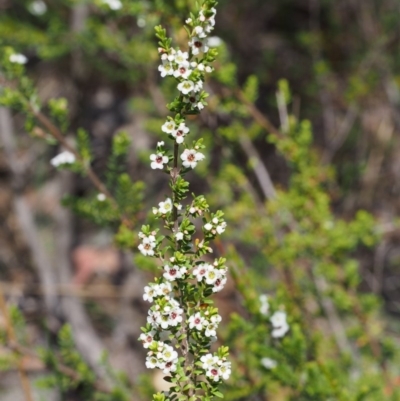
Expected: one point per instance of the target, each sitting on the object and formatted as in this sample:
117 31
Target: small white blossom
101 197
268 363
169 127
179 236
180 133
160 144
200 271
37 7
264 308
211 330
199 31
219 283
174 272
113 4
190 157
165 207
148 244
199 45
151 362
158 160
149 293
214 41
213 373
208 360
183 70
279 324
166 68
63 158
181 57
186 87
225 370
196 321
147 339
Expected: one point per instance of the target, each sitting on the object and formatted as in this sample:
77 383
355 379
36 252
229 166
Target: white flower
190 158
214 41
37 7
198 45
213 372
279 324
147 246
168 354
225 370
147 339
200 271
198 86
151 362
166 69
180 132
113 4
200 106
208 360
209 69
169 127
63 158
196 321
199 31
186 87
158 160
175 317
221 227
181 57
211 330
208 226
189 21
212 275
183 70
18 59
216 319
160 144
264 308
268 363
164 289
219 283
149 293
174 272
170 366
101 197
165 207
179 236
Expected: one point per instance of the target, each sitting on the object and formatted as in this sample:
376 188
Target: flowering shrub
182 315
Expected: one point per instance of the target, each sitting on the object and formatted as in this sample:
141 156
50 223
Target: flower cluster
213 275
63 158
148 244
264 308
278 319
161 355
206 323
180 315
215 226
215 367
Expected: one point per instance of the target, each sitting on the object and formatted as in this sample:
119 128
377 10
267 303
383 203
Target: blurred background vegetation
302 155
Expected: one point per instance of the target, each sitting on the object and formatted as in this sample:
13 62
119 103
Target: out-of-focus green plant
304 330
